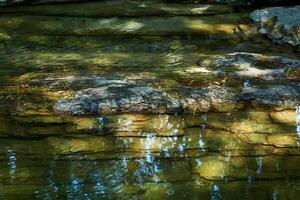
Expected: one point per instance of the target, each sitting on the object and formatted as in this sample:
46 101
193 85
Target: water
247 153
234 162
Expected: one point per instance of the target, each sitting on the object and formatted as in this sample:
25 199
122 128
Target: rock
245 123
288 117
280 24
284 97
138 97
220 168
211 98
96 95
117 98
251 65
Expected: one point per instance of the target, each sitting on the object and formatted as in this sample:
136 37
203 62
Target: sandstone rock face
280 24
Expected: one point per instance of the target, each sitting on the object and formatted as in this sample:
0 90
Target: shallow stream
227 151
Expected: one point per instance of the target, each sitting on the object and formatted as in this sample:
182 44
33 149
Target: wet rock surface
252 65
134 98
279 23
275 95
109 95
118 99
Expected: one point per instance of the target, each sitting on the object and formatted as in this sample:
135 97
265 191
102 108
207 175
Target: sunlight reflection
259 163
275 195
215 193
201 141
298 120
246 84
12 166
100 123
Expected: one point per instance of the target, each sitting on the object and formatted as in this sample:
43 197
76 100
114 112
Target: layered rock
280 24
103 154
134 98
96 94
118 99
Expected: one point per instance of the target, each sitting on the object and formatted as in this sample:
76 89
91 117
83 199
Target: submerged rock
212 27
280 24
119 8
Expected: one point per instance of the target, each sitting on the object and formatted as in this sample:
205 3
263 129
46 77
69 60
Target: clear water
249 154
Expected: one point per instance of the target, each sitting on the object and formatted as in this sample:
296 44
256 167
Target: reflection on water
240 155
211 156
298 120
202 126
246 83
275 195
215 193
100 123
259 165
12 166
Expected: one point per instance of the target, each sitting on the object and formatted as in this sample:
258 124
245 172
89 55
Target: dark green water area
145 100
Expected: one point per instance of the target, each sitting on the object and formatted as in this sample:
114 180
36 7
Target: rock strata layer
119 95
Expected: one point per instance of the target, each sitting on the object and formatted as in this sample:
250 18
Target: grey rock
211 98
279 23
283 97
118 98
138 97
79 82
250 65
